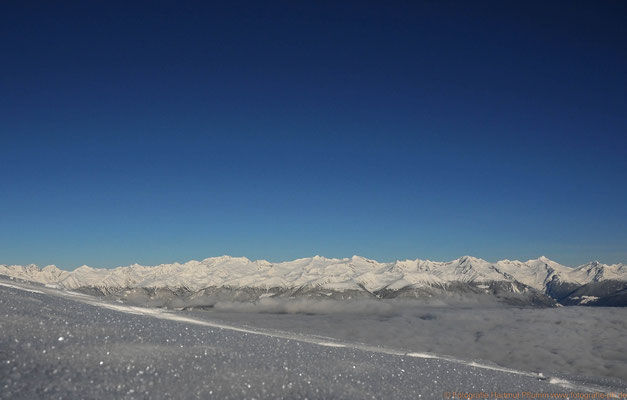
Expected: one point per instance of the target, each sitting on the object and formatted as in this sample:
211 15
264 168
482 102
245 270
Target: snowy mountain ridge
338 275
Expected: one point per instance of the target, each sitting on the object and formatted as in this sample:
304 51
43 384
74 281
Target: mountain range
539 282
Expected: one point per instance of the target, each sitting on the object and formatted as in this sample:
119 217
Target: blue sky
166 131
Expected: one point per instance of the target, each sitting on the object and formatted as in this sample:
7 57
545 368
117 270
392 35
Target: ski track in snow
20 288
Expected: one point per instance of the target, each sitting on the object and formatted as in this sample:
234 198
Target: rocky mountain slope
201 283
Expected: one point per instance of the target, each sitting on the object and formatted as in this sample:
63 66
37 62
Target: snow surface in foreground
71 345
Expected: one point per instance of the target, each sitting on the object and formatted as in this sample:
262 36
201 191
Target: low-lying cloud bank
579 341
299 305
326 307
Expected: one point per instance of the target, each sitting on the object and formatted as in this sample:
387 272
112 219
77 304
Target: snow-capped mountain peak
356 273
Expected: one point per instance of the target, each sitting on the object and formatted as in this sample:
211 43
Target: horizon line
311 257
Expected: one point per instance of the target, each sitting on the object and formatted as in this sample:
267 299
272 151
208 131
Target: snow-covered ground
57 344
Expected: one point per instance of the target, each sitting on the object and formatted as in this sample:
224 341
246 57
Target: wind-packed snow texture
538 281
64 345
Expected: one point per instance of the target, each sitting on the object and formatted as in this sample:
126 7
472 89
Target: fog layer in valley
569 340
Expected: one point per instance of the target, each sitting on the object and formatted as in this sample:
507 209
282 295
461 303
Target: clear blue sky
166 131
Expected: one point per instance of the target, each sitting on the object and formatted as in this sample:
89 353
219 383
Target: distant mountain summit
540 282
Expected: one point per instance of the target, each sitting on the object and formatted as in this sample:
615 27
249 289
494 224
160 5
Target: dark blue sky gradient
165 131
